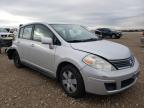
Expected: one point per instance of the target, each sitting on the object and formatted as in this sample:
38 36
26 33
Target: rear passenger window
21 33
27 32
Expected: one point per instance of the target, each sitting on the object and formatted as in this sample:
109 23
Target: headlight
98 63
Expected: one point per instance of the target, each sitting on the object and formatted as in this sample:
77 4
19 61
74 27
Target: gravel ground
26 88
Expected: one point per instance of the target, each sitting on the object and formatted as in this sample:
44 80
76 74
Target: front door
41 55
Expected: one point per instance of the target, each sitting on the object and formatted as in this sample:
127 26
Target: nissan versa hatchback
76 57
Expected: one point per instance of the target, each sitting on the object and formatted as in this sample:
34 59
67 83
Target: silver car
76 58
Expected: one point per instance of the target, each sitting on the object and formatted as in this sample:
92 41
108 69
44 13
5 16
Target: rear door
24 43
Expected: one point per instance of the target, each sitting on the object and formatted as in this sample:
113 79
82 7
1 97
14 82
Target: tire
72 82
16 60
113 36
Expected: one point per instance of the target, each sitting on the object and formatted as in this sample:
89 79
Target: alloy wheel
69 81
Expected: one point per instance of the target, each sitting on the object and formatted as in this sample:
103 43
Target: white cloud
14 19
112 13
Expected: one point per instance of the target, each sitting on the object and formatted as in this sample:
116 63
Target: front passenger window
41 31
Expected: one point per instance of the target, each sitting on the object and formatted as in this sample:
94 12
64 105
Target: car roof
44 23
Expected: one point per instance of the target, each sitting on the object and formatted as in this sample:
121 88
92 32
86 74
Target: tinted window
27 32
40 31
107 30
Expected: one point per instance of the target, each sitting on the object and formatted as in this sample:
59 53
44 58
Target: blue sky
93 13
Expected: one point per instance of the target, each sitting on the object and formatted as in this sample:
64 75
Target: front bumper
104 83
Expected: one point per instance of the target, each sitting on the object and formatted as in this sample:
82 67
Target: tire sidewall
16 59
80 84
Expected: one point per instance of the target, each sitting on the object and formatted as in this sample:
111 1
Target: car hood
106 49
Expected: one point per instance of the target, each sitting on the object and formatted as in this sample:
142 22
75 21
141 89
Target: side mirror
46 40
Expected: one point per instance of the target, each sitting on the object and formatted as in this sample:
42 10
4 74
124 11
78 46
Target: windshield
74 33
3 30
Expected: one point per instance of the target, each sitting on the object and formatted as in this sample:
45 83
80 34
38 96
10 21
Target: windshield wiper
86 40
91 39
73 41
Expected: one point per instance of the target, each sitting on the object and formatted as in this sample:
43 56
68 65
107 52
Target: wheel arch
10 52
61 65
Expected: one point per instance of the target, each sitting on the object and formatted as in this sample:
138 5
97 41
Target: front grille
123 63
127 82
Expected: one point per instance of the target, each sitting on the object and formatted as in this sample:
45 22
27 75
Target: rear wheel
72 82
16 60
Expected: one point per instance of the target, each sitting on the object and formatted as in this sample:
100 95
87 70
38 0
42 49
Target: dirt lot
25 88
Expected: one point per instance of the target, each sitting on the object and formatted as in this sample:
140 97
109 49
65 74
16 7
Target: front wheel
16 60
72 82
